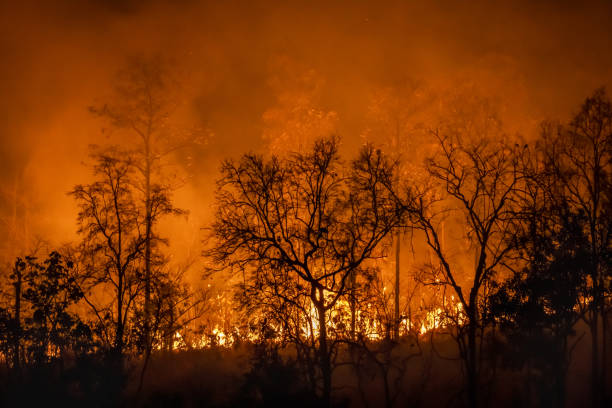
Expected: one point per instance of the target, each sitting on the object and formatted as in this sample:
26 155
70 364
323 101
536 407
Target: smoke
535 60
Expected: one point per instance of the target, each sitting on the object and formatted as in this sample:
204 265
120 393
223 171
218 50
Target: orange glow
270 80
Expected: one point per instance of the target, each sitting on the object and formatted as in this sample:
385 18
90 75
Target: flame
439 318
367 324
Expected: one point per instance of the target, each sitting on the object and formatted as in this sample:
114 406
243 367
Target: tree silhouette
304 223
395 116
538 307
41 327
113 226
145 96
114 239
174 306
474 184
580 158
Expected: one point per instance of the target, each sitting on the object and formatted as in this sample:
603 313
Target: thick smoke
238 61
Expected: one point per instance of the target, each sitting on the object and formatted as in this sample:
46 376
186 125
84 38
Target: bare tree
307 222
474 186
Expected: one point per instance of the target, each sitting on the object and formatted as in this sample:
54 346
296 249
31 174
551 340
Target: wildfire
367 324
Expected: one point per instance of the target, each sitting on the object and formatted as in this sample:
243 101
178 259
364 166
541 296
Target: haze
239 62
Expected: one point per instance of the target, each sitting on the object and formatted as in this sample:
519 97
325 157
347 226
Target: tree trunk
171 330
147 289
595 387
324 355
17 333
148 221
119 329
396 316
604 352
119 333
353 306
472 359
561 375
388 402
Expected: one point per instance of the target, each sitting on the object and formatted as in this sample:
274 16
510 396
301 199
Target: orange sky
240 60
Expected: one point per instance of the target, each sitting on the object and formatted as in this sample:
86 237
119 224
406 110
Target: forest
442 250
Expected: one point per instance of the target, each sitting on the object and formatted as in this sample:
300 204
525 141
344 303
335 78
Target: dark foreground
417 375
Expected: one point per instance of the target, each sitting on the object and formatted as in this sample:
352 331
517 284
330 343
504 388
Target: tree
145 96
52 328
537 310
538 307
42 327
474 184
304 223
114 238
580 157
12 333
175 305
395 118
373 353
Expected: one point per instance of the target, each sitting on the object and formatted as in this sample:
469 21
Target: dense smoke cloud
235 59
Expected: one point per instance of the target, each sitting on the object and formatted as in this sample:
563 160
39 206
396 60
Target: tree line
514 242
306 230
114 293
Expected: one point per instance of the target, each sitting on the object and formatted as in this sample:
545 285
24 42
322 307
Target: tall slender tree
145 97
395 117
112 226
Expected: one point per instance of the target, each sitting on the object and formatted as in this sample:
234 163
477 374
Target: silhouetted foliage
307 236
274 381
43 327
579 157
538 307
300 227
112 225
